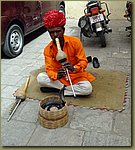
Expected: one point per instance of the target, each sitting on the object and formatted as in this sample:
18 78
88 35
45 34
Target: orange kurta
75 55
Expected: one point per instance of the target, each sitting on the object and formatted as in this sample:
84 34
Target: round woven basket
54 118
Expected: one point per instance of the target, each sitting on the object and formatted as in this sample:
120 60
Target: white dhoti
80 88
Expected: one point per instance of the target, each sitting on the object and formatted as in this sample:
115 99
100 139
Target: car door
32 15
48 5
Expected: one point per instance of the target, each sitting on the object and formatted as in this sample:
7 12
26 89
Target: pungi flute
61 57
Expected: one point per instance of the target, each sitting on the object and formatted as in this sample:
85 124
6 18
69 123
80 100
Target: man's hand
69 66
61 73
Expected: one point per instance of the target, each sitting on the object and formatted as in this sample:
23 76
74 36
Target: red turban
54 18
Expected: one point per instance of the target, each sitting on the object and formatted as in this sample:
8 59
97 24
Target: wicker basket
55 118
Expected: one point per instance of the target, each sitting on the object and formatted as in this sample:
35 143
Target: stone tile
16 133
56 137
31 55
3 86
39 63
20 61
106 66
127 106
10 80
129 63
14 70
117 61
41 57
123 68
8 92
7 104
102 55
129 90
26 71
21 81
121 55
29 112
88 120
4 67
70 113
126 50
122 125
100 139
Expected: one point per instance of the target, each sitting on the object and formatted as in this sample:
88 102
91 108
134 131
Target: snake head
61 94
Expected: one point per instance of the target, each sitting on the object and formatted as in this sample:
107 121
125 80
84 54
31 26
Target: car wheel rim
16 41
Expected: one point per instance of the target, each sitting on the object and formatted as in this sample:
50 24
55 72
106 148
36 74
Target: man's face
56 32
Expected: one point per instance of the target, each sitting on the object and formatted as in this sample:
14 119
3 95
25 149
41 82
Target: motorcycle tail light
88 14
102 10
94 10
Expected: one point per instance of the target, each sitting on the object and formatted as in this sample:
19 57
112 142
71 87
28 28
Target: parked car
19 18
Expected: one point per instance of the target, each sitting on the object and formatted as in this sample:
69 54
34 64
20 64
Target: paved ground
85 127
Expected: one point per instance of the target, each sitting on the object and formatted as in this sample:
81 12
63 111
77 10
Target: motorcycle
127 15
94 21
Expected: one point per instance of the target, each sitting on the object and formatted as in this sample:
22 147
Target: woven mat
109 90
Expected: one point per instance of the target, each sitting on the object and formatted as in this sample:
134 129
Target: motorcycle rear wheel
102 39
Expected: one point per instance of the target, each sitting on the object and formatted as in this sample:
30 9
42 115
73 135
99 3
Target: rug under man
109 90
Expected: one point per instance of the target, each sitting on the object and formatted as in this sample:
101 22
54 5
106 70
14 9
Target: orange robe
75 55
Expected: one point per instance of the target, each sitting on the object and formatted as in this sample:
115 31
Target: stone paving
85 127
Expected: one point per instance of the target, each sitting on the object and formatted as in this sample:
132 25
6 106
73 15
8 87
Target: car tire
14 41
